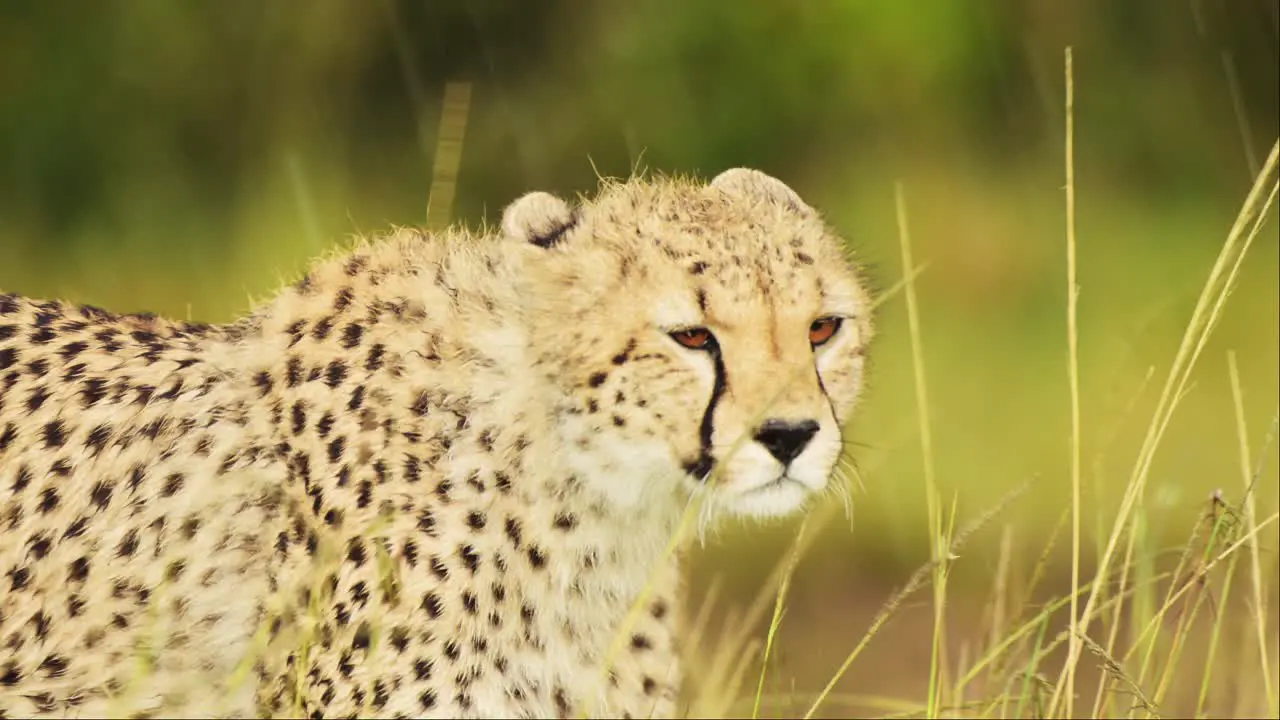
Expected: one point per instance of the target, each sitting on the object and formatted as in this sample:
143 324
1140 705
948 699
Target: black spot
172 485
54 434
565 521
362 637
399 638
427 523
336 447
351 335
8 356
48 500
293 372
72 349
431 605
428 697
562 702
54 666
470 557
470 603
299 415
18 578
421 404
476 520
94 390
412 473
536 558
640 642
659 609
129 545
36 398
262 381
343 299
622 357
322 328
355 551
359 594
357 398
513 530
76 528
597 379
40 546
8 436
334 373
98 438
23 479
374 359
41 622
698 268
136 476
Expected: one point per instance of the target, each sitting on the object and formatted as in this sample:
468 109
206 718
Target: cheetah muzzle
430 479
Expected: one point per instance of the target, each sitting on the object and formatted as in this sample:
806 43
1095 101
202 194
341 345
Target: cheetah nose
786 440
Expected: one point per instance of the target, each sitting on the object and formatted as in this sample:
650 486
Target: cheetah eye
823 329
697 338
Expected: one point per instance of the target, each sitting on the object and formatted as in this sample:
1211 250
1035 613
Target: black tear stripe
701 469
830 403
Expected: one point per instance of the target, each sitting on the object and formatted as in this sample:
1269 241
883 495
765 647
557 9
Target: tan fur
430 479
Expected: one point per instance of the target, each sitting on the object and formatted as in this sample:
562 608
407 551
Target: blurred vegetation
182 157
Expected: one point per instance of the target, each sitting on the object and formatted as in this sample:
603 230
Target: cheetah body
433 478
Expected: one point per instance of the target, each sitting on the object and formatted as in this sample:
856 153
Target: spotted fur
432 478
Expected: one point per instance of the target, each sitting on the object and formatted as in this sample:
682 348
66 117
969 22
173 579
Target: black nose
786 440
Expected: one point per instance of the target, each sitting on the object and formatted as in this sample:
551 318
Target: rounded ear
538 218
748 183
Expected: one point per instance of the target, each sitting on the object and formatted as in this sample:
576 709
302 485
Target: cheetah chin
434 477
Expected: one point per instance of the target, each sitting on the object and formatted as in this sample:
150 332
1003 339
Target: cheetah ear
538 218
748 183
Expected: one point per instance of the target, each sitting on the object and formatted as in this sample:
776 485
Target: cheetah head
698 337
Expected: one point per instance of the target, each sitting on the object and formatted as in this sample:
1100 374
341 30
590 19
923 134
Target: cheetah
437 477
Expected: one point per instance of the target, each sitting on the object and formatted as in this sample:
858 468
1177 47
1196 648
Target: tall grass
1139 616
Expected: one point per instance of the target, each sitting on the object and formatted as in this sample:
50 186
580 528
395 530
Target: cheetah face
702 338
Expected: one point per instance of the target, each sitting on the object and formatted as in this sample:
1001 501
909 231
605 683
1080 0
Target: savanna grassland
1064 504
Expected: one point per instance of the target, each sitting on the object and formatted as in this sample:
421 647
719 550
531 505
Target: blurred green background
183 157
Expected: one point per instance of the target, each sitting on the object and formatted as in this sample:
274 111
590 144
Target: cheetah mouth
783 480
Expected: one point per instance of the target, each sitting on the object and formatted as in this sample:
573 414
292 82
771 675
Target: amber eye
822 329
695 338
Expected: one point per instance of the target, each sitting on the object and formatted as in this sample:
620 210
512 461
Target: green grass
1138 616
